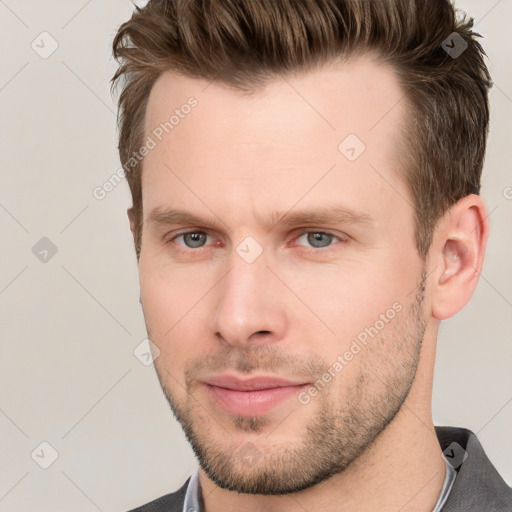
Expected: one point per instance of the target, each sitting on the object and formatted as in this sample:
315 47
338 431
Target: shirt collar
193 500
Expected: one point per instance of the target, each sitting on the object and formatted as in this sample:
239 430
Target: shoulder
172 502
478 485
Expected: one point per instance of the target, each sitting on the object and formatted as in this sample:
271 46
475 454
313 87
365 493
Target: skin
367 441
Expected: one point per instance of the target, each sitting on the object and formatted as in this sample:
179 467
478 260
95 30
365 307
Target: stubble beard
336 434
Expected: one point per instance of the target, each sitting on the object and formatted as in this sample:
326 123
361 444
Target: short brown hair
245 43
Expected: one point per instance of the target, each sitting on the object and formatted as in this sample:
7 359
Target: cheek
345 300
169 293
172 312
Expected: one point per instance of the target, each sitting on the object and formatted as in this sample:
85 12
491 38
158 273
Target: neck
403 469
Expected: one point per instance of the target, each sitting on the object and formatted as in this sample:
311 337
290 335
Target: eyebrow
164 217
321 215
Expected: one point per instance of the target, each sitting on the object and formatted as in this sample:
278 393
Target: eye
192 239
314 239
319 239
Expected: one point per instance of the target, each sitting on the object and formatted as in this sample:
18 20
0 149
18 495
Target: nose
250 306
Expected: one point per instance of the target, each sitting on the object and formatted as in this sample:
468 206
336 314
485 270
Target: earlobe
460 242
131 218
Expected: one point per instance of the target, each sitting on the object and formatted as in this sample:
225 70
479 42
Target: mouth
251 397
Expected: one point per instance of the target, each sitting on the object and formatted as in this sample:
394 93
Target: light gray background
68 375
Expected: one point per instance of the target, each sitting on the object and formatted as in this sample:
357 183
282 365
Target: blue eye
318 239
193 239
311 239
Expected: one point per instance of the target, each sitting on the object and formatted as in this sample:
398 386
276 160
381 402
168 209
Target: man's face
299 265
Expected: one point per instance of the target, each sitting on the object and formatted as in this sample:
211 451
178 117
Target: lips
250 384
253 396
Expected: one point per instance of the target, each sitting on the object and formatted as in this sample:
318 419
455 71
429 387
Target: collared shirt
447 486
193 499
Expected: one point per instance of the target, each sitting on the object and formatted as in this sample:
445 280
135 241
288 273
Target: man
305 178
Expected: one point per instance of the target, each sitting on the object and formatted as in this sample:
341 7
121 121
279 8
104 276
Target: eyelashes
195 240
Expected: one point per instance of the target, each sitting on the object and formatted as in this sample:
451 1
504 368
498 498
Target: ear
132 219
457 255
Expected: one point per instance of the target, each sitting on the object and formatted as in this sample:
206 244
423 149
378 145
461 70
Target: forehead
284 136
355 94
